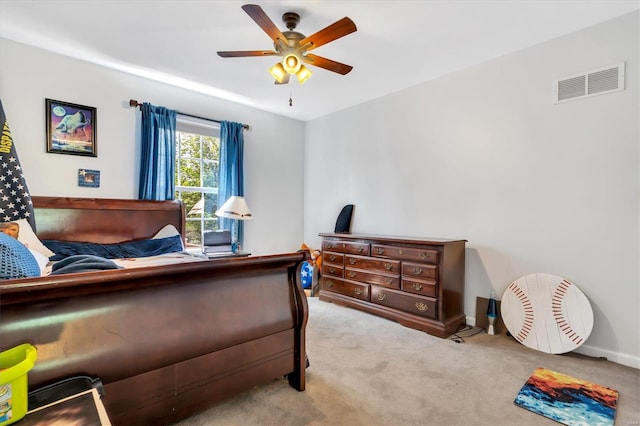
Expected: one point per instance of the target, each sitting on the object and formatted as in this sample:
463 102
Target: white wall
273 146
485 155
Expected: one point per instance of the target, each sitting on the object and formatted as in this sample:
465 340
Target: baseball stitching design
527 325
556 307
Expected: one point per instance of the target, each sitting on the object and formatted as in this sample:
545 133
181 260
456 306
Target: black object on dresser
343 223
415 281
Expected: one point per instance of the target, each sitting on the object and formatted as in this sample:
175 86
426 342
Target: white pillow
168 231
42 261
29 239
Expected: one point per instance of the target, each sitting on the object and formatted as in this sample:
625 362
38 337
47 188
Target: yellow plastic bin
15 363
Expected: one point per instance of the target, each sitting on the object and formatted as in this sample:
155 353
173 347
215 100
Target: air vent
595 82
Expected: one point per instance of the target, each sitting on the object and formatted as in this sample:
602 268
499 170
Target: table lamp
235 208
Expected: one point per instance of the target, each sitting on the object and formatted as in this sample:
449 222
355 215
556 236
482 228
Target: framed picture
71 128
90 178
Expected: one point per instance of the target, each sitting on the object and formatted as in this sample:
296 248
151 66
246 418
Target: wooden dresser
414 281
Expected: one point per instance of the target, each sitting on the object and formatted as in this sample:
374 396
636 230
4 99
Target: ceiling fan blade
327 64
333 32
242 53
285 80
257 14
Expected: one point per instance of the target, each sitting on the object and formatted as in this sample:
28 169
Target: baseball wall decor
547 313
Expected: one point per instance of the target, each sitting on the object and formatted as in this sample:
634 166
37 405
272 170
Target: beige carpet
367 370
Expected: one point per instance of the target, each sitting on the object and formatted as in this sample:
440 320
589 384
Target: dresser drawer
334 258
422 287
404 253
346 247
391 281
413 304
419 270
332 270
387 266
347 288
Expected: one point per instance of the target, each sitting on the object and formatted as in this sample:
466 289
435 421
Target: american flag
15 200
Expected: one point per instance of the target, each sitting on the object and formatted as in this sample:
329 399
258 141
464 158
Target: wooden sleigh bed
166 341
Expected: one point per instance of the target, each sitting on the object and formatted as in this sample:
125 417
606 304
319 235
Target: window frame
206 128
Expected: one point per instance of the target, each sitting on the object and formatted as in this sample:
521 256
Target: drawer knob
421 307
381 296
352 261
351 274
388 266
417 286
417 270
380 250
400 251
332 270
358 291
329 283
329 245
360 249
423 255
388 280
332 258
343 245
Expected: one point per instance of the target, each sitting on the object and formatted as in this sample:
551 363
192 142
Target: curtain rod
135 104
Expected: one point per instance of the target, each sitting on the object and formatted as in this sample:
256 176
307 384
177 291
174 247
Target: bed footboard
166 342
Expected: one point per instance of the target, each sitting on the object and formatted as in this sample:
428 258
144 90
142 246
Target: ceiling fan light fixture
303 74
291 63
278 72
293 47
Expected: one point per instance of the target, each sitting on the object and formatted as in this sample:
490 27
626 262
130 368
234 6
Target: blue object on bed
82 263
141 248
16 261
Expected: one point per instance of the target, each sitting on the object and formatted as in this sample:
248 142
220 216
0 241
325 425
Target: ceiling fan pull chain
290 100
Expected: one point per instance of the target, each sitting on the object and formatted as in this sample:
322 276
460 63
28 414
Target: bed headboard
104 220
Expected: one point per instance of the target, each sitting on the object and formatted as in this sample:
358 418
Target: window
196 175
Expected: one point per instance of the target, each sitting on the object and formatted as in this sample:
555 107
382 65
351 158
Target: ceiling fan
293 47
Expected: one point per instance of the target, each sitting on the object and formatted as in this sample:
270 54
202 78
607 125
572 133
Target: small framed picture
71 128
90 178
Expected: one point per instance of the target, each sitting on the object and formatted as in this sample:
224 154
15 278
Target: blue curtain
231 170
157 164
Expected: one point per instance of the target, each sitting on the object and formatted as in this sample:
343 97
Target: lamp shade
291 63
303 74
278 72
235 208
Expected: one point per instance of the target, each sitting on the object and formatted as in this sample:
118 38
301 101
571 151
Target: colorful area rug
568 400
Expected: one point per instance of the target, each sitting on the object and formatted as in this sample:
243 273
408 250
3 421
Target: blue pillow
16 261
140 248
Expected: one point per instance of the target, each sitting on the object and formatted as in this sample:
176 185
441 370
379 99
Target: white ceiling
398 43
